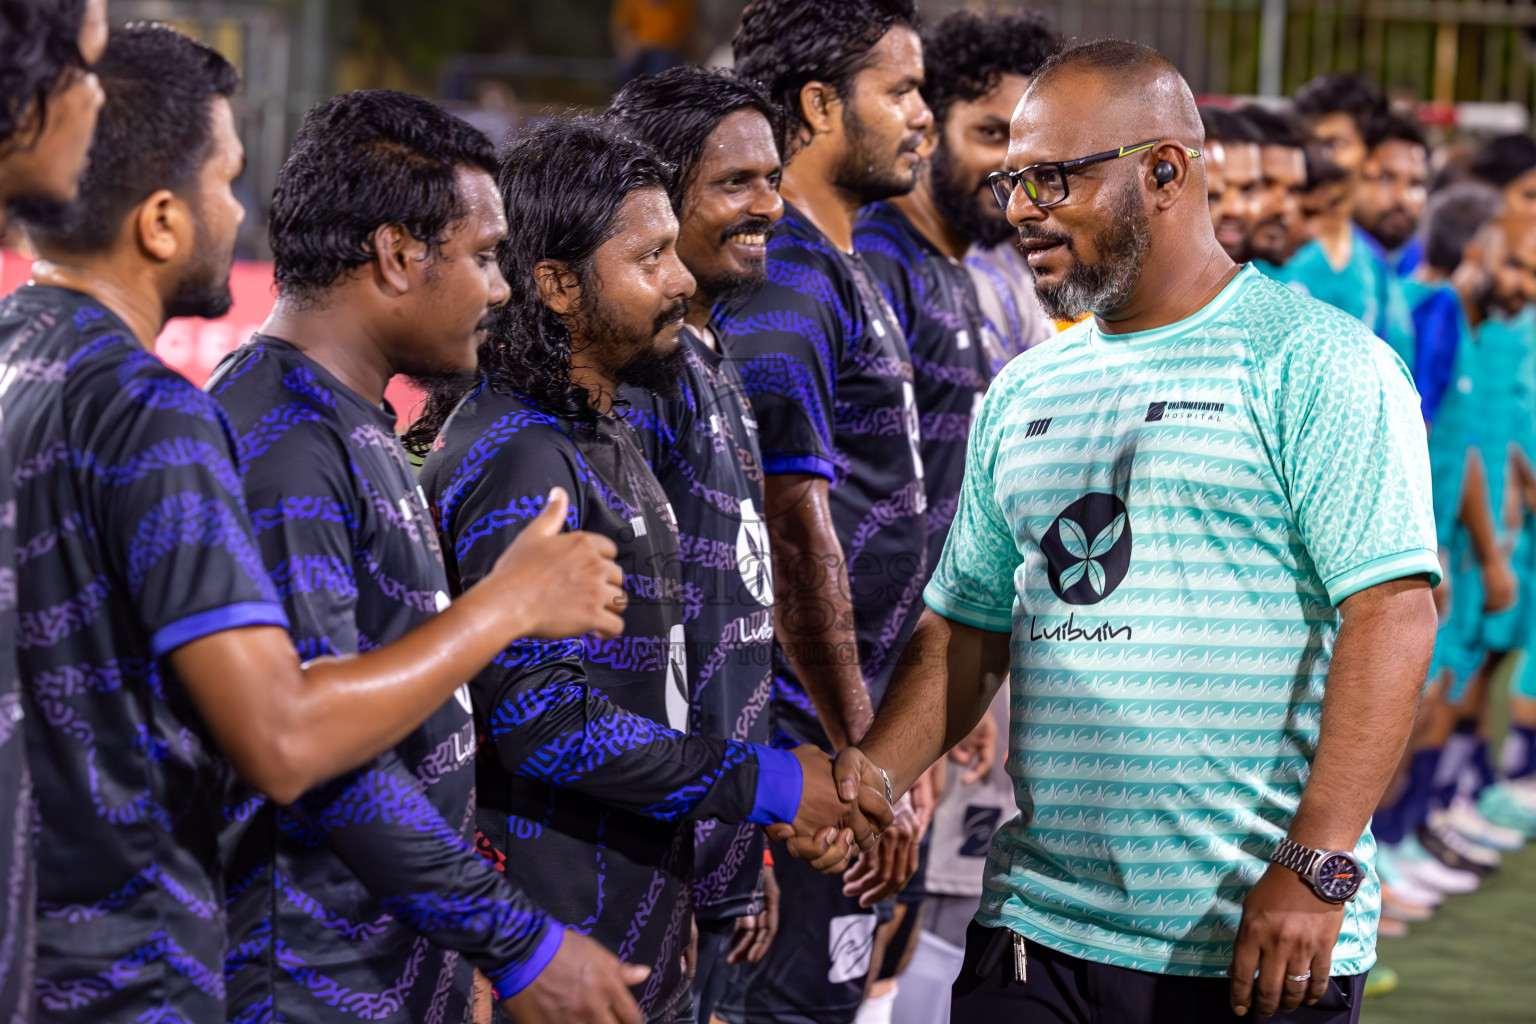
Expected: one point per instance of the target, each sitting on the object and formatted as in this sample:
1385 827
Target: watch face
1339 877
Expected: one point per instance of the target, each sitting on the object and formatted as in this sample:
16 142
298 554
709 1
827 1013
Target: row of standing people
1344 198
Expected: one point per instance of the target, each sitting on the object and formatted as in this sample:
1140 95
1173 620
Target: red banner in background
194 347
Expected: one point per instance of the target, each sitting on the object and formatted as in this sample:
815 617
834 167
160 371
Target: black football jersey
934 298
830 379
133 540
588 781
366 898
18 884
703 448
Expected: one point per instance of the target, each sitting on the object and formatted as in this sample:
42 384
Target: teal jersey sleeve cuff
1380 570
779 782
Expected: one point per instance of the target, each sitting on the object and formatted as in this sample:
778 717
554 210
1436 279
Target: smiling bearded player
718 130
1196 532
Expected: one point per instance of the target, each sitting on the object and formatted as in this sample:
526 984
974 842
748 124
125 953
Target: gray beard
1103 288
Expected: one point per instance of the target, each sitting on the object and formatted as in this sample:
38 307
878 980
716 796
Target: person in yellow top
649 36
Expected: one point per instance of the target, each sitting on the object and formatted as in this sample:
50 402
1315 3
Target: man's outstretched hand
583 984
833 817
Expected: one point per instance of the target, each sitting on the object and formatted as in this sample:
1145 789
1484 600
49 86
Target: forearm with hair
813 610
945 683
1374 681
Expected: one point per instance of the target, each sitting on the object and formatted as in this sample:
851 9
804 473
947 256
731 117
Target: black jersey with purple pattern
934 298
588 782
703 448
830 379
132 540
366 898
18 883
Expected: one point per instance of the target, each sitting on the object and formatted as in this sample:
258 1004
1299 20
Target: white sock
877 1009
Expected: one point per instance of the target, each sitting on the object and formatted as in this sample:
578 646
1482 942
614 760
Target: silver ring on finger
1298 978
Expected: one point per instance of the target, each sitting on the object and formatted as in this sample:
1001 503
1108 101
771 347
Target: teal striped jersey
1165 522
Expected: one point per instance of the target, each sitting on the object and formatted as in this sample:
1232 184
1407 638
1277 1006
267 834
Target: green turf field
1474 963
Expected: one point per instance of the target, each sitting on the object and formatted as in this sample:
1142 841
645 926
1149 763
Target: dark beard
1103 287
730 289
866 173
971 211
203 290
628 356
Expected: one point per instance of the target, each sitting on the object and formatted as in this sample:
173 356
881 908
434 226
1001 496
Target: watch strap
1300 859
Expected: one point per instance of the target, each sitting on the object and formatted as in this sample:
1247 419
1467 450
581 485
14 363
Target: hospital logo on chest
1088 549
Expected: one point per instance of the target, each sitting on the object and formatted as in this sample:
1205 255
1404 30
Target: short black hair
1453 217
155 131
39 46
360 160
967 53
564 184
1223 125
675 112
1274 128
1501 160
1341 93
1393 125
784 44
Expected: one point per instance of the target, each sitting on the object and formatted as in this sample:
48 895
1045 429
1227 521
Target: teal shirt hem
1115 957
1380 570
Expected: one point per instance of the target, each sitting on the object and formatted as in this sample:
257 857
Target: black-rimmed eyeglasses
1046 183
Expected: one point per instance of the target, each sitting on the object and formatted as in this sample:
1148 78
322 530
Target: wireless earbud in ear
1163 173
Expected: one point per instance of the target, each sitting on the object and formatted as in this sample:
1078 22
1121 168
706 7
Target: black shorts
714 946
1061 989
815 970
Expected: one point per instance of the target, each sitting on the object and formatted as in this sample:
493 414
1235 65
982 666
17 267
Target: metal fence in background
1443 51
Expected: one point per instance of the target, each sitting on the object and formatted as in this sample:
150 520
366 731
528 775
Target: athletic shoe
1395 906
1524 792
1465 818
1501 805
1454 849
1380 981
1403 887
1391 928
1418 866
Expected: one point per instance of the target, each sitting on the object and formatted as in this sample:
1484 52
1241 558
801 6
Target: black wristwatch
1335 875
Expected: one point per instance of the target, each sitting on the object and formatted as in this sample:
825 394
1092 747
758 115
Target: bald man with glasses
1195 536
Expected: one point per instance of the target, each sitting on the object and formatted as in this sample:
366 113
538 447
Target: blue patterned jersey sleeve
535 703
378 819
169 506
786 342
381 824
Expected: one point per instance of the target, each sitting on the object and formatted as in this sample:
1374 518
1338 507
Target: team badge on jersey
1088 549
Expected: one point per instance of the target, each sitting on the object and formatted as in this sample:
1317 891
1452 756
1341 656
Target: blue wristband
779 781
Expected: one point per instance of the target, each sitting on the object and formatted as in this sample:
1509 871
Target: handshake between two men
853 812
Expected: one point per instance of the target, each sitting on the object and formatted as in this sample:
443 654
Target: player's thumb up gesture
564 584
583 984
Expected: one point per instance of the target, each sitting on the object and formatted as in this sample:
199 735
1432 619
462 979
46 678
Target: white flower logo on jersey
753 559
1088 549
1075 540
677 678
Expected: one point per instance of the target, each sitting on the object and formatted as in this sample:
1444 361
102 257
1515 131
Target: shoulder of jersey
507 422
1280 321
